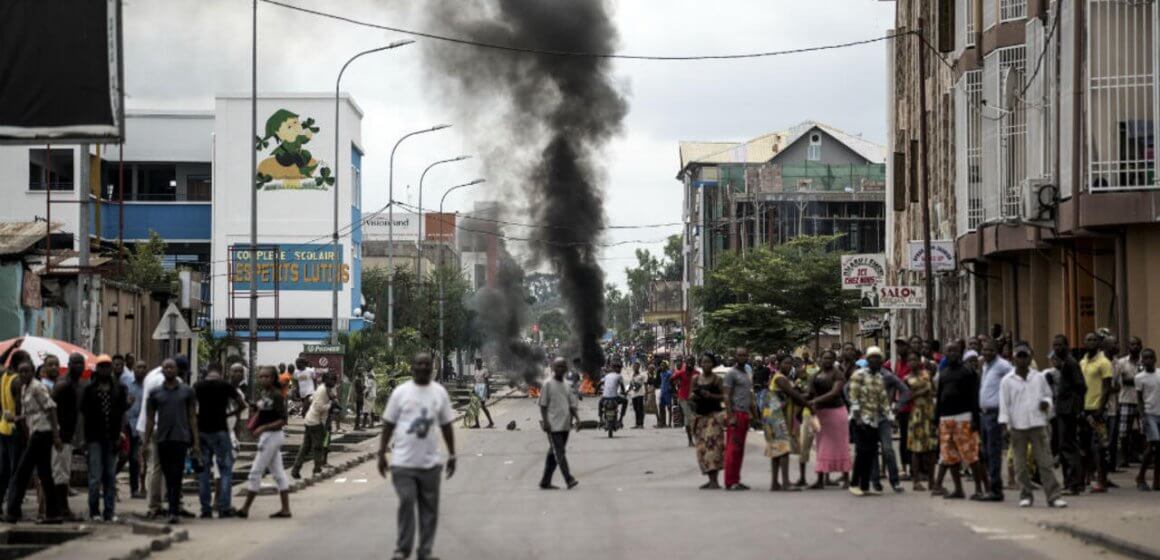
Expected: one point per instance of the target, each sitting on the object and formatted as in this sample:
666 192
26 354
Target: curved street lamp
419 239
334 239
391 233
442 225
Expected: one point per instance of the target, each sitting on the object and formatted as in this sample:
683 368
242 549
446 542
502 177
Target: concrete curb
163 538
1114 544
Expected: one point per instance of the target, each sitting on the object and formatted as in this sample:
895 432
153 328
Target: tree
674 258
143 267
213 350
554 326
617 312
640 281
419 309
774 298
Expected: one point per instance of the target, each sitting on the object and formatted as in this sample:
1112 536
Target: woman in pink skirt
833 435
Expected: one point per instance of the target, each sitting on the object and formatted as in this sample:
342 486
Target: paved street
637 498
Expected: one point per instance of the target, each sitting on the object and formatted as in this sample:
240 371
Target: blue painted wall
185 221
356 238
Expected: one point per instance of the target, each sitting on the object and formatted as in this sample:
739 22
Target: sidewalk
136 537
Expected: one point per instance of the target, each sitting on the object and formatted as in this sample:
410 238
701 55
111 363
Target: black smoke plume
540 122
501 311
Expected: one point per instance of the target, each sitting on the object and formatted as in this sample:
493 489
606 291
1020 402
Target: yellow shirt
7 402
1095 371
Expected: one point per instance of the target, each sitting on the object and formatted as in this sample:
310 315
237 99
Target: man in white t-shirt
1147 384
304 377
416 408
636 389
613 389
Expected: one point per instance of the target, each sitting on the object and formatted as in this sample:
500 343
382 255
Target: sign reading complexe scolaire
942 257
859 271
300 267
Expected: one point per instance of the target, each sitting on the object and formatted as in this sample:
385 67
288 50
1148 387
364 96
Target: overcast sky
180 53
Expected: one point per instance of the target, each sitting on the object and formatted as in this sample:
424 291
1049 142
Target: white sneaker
1025 502
1057 503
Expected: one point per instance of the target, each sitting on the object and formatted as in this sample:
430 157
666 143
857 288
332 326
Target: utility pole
83 247
253 349
925 181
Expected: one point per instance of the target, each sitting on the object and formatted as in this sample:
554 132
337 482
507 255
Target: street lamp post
334 240
442 274
391 233
419 240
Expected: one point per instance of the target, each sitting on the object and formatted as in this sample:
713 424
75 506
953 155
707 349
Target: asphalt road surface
637 498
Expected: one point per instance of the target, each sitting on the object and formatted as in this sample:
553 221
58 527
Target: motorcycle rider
613 390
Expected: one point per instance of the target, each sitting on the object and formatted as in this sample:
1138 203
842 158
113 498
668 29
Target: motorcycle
610 415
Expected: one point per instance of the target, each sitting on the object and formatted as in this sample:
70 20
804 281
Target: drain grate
19 542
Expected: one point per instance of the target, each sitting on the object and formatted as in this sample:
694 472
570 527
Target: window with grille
1012 129
1122 100
1010 10
814 152
1038 97
969 18
969 147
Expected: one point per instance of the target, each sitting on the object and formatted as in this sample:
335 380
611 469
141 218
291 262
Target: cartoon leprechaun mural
290 165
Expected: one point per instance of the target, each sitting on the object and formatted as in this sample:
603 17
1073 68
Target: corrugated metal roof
762 148
19 237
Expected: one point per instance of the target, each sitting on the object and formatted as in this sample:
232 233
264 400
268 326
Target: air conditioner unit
1040 200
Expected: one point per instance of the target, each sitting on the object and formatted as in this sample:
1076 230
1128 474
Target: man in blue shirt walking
995 368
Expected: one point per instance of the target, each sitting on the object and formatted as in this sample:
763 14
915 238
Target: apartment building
809 179
1040 163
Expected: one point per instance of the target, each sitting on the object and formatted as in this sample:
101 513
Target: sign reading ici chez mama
289 165
860 271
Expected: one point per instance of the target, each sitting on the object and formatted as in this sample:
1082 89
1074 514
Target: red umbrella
39 348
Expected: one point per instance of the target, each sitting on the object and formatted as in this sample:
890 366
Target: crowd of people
980 408
162 425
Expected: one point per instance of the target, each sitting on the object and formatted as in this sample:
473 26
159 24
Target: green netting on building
808 176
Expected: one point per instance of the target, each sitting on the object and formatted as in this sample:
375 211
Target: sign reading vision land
859 271
298 267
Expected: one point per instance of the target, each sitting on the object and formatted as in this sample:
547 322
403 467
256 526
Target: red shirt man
682 380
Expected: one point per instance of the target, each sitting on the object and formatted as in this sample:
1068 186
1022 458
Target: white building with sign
296 178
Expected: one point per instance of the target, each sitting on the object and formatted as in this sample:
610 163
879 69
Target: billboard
375 226
439 227
859 271
292 266
60 72
899 297
942 256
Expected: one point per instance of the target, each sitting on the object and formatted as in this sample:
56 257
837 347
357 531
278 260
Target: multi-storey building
1041 163
186 176
811 179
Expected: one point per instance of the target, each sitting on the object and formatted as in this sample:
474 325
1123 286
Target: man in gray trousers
412 414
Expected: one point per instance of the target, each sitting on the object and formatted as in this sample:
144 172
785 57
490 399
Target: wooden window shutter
946 25
900 173
914 171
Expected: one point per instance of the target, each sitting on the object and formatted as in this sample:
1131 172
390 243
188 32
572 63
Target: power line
528 50
1046 47
415 208
548 242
